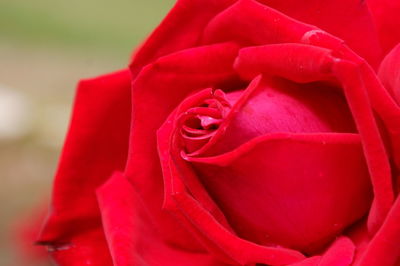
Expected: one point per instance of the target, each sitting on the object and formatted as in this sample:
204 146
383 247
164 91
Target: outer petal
386 13
377 158
158 89
132 234
384 248
350 20
181 29
86 248
96 146
250 23
389 73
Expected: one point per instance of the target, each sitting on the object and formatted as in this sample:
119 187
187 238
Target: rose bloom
242 133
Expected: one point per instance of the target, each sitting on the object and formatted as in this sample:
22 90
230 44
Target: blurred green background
46 46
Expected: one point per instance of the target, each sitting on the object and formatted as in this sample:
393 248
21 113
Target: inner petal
199 123
280 106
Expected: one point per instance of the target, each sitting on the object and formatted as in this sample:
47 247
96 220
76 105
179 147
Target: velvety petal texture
389 73
384 247
350 20
133 238
238 192
158 89
96 146
244 133
201 214
388 24
172 35
285 213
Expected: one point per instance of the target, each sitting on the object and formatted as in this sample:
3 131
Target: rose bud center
282 160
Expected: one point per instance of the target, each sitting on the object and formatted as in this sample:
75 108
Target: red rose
243 133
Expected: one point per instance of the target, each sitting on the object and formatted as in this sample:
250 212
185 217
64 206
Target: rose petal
158 89
276 106
350 75
340 253
311 261
360 236
384 248
248 22
192 183
350 20
379 97
298 62
360 88
389 73
200 214
297 176
91 153
88 248
385 13
130 231
181 29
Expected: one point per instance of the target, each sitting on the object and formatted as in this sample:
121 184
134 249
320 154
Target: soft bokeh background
46 46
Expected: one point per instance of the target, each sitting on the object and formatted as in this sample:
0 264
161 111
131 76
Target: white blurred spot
15 114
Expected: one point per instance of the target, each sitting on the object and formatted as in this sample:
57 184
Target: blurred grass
46 46
101 26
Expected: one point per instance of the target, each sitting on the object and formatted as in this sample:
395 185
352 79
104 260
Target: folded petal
359 235
181 29
363 93
350 20
157 90
186 197
358 95
280 106
271 187
248 22
96 145
384 248
131 233
298 62
340 253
